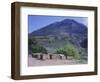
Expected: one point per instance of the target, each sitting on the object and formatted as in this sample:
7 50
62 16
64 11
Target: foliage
83 52
62 51
32 41
69 50
35 47
38 49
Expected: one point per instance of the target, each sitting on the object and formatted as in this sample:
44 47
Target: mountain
60 28
61 33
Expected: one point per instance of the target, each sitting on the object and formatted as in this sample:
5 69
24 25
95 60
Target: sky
36 22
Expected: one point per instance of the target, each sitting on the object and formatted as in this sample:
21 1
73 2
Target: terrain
55 36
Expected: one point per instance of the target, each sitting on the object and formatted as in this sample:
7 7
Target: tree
62 51
34 47
69 50
38 49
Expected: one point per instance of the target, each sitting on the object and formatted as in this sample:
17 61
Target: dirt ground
36 62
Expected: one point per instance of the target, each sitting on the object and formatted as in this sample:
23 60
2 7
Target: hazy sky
36 22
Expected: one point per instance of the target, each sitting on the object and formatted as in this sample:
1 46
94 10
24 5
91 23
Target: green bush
34 47
38 49
62 51
69 50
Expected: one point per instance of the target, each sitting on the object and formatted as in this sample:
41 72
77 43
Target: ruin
50 56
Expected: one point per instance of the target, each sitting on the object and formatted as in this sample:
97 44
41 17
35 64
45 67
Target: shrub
69 50
34 47
38 49
62 51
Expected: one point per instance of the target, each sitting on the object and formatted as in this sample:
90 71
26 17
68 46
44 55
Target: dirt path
36 62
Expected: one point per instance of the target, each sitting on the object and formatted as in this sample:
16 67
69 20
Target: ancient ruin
43 56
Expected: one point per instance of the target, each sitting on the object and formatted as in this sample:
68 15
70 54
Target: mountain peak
69 21
61 27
